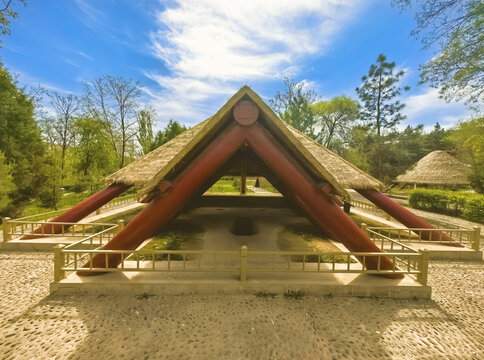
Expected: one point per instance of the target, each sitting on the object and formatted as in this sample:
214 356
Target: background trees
113 101
145 135
7 13
457 70
380 108
335 117
294 105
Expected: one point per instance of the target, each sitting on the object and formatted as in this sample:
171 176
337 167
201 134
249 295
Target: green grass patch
306 237
226 185
177 235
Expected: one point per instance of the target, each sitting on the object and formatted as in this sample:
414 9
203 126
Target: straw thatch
169 159
436 168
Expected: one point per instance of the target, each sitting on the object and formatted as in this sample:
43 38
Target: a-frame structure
246 134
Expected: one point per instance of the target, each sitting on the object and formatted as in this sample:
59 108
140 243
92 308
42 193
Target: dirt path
217 222
34 325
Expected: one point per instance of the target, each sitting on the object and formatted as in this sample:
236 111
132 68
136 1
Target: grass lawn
306 237
226 185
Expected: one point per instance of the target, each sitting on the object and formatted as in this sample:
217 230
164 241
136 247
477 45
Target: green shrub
455 203
474 209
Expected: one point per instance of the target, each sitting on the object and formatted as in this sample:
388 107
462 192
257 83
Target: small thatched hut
436 169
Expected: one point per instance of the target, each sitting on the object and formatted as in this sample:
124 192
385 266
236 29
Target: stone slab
228 283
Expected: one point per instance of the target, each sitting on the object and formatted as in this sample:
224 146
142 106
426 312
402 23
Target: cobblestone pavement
34 325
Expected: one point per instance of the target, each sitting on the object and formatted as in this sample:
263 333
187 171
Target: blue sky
190 56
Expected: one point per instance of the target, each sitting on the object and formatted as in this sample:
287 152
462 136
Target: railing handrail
413 262
114 226
41 222
65 209
370 230
417 229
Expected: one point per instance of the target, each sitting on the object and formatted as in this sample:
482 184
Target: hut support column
405 216
81 210
243 176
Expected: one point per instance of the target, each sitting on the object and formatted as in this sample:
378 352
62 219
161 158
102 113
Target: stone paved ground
34 325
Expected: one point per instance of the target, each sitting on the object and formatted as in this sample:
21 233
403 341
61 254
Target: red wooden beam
405 216
167 205
310 197
305 191
81 210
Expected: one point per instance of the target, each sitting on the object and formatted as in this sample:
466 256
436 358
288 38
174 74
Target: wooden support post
80 211
243 263
476 238
347 207
59 263
423 267
120 225
405 216
7 233
243 176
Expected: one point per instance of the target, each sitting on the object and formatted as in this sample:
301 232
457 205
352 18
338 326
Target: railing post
476 241
59 262
364 228
7 236
120 225
423 267
243 263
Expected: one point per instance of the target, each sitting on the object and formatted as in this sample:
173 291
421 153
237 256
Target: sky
191 56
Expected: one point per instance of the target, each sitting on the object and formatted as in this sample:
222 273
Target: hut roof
436 168
169 159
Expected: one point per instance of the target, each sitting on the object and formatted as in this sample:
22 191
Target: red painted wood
81 210
325 212
405 216
303 190
167 205
246 112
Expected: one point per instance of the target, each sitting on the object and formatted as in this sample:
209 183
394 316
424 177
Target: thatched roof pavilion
165 162
437 168
243 138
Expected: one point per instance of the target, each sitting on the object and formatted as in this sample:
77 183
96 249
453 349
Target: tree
468 139
377 94
171 130
145 124
21 141
294 106
437 139
59 129
113 100
7 14
93 156
458 26
336 118
7 187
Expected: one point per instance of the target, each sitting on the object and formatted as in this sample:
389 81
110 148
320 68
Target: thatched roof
436 168
169 159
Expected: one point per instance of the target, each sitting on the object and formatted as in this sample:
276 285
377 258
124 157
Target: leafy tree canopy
457 26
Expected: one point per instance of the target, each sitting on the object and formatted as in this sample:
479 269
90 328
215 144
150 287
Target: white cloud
427 108
211 48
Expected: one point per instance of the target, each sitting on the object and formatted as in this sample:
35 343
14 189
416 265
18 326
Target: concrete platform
40 244
228 283
444 252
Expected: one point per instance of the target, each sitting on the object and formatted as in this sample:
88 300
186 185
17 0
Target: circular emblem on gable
246 112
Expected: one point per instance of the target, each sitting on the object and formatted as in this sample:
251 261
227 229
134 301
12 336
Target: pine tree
378 94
